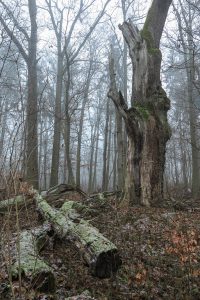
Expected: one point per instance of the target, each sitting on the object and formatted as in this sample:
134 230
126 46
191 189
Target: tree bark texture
146 121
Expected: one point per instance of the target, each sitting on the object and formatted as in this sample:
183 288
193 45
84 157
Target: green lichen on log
88 234
31 265
99 253
5 204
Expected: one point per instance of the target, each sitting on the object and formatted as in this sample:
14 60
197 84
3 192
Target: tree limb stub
144 50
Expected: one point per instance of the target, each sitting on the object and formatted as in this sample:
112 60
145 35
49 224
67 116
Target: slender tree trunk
93 132
57 121
67 130
190 71
94 181
107 177
120 144
115 162
78 153
105 148
32 122
3 118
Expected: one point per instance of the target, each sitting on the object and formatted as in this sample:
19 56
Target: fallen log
29 264
105 194
19 200
98 252
63 188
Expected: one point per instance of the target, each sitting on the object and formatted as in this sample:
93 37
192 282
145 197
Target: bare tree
185 25
65 50
29 54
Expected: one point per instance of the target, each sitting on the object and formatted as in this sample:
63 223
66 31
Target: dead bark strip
98 252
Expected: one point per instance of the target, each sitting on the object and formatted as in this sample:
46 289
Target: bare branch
14 39
90 31
15 22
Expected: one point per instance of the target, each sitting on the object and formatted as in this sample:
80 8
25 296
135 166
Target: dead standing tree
146 121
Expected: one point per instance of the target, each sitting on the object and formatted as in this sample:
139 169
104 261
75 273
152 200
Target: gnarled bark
146 121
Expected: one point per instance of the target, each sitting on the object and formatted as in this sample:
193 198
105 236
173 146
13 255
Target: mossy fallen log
19 200
98 252
29 264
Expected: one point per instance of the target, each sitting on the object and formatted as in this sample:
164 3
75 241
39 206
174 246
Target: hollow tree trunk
146 121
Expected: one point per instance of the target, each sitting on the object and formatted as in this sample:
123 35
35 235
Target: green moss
67 206
143 111
147 36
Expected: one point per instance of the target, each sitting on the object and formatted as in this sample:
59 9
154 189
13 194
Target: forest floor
160 250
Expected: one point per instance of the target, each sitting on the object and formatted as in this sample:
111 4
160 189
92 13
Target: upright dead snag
146 121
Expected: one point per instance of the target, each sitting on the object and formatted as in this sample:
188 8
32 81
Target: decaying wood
19 200
29 264
105 194
63 188
146 121
98 252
